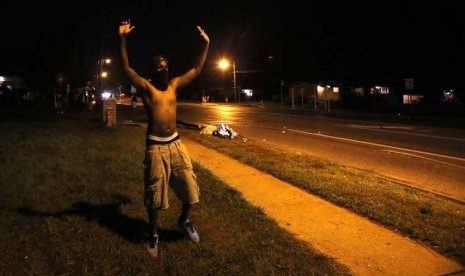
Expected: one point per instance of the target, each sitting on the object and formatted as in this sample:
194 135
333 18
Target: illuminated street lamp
224 64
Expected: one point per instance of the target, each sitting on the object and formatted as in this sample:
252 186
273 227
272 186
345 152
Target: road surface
426 157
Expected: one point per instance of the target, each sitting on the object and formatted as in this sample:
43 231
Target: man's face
160 75
163 65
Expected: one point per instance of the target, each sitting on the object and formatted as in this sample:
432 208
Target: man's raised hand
125 28
202 33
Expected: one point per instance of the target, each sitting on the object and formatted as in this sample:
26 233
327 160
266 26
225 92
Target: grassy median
71 204
430 219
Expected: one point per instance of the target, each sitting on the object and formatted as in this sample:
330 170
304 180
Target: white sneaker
152 246
189 230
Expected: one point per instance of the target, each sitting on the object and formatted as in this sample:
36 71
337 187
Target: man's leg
152 247
186 225
185 212
153 217
186 188
156 176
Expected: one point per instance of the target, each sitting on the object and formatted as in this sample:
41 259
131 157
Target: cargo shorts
169 165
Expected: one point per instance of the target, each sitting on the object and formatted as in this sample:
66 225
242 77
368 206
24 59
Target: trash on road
208 129
222 131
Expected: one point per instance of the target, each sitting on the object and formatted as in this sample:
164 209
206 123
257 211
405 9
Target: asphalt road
421 153
431 158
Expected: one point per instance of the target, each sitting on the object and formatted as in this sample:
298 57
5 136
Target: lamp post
224 64
101 73
234 78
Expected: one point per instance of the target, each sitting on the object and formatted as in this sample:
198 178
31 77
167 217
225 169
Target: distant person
89 97
133 89
59 98
134 101
166 158
133 97
67 96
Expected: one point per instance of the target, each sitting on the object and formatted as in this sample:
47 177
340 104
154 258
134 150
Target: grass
425 217
71 203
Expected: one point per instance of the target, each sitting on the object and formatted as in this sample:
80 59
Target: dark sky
336 41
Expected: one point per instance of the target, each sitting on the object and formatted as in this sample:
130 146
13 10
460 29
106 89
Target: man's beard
160 79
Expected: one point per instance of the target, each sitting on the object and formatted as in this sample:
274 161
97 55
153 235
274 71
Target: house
308 93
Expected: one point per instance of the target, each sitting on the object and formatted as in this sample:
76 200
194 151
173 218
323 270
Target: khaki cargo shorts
169 165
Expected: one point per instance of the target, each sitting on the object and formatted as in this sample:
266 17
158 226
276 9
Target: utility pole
234 79
315 96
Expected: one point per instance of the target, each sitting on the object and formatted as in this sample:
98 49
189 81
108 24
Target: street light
223 65
101 73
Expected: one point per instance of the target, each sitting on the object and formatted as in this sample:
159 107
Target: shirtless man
166 160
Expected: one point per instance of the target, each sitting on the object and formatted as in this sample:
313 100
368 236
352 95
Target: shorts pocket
153 193
153 167
186 160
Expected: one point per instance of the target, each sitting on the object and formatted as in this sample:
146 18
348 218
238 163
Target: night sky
333 41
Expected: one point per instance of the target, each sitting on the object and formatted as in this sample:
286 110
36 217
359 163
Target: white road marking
377 128
422 157
370 128
380 145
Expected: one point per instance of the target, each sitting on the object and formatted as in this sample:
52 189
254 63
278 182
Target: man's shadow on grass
110 217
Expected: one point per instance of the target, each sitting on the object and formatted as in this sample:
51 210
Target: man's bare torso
160 107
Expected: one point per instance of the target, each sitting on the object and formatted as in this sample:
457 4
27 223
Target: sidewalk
363 246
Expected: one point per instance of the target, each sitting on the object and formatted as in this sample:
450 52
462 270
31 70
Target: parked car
14 91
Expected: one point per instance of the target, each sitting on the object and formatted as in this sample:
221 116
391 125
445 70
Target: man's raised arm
190 75
124 30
